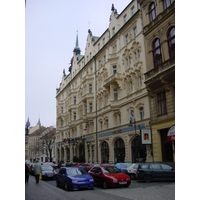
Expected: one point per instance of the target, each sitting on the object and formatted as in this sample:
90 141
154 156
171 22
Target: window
74 116
133 10
106 123
61 109
104 59
74 100
114 69
101 125
115 93
126 39
166 3
135 56
125 18
90 88
157 57
135 31
103 41
138 55
85 109
141 113
164 166
162 103
99 46
113 30
99 63
61 123
119 119
90 106
171 42
129 61
126 62
152 12
155 166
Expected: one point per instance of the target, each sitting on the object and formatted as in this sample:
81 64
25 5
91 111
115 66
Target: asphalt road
138 190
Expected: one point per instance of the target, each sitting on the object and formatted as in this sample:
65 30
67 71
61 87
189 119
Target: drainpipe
96 106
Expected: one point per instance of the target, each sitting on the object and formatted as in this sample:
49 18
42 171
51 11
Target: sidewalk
43 191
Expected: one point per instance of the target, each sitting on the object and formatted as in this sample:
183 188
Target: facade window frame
152 11
166 3
162 107
171 41
157 56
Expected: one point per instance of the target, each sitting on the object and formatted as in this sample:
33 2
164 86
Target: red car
109 176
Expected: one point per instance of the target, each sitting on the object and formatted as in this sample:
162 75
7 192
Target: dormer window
133 10
125 18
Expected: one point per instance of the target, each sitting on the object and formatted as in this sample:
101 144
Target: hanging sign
171 134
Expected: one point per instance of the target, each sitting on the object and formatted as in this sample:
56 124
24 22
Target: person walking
27 171
37 170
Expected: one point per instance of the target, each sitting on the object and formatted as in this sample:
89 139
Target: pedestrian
37 170
27 171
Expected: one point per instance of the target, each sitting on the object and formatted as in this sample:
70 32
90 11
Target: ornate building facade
158 18
105 87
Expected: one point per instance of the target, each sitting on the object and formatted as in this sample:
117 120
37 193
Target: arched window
171 42
141 113
166 3
157 57
152 12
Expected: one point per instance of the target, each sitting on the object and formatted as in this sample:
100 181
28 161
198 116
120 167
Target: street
138 190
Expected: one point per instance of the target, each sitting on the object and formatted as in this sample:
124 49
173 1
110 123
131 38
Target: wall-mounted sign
171 134
146 136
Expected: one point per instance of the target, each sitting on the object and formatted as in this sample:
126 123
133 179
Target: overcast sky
50 33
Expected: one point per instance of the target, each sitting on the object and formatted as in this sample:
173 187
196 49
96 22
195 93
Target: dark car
74 178
155 172
48 172
109 176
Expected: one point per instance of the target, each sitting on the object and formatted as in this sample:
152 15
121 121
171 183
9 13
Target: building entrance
119 150
138 150
104 152
167 150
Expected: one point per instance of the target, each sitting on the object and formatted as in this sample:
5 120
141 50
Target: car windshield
109 170
73 172
47 168
124 165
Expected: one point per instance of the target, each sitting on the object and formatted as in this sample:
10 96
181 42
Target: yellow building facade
103 89
158 18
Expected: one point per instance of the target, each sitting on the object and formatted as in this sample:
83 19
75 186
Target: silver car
132 171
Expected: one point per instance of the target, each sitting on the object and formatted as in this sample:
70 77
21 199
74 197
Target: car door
156 171
61 175
169 172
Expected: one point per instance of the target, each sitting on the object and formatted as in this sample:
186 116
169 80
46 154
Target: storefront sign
171 134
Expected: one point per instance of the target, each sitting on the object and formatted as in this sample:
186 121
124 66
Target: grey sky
50 34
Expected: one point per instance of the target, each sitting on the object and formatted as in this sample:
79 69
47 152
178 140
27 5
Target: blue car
123 166
74 178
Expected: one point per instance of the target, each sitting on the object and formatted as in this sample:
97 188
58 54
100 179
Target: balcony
114 79
164 73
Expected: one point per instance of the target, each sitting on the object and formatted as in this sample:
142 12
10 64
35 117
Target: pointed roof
76 48
27 123
39 122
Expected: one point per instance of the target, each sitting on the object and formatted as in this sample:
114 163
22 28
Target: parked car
109 176
74 178
48 172
132 171
155 171
123 166
88 166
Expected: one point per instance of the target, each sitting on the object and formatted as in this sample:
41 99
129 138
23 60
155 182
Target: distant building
41 143
104 92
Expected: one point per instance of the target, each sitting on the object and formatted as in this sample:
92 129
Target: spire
76 48
39 122
27 123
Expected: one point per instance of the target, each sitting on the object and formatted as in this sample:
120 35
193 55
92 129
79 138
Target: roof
38 131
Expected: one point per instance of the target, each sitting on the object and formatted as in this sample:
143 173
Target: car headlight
74 181
91 179
128 179
115 180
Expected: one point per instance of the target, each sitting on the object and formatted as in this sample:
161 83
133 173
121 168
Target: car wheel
57 183
132 176
105 185
66 186
147 178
